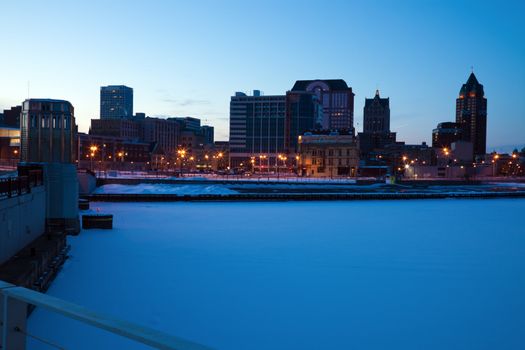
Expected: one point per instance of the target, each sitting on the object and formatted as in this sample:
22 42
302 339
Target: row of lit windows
46 121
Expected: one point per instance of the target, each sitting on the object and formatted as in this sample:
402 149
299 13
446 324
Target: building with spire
376 114
471 114
376 125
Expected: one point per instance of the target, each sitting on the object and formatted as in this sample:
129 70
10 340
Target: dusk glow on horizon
189 58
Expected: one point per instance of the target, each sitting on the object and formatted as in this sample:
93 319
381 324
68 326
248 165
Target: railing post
13 315
14 324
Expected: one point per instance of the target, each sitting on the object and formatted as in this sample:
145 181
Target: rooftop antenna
471 69
28 89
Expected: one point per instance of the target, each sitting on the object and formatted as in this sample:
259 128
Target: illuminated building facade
471 114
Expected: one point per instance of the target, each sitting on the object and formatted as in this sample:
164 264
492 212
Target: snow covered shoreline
212 192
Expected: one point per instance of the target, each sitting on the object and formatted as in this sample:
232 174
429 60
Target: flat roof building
327 155
257 128
116 101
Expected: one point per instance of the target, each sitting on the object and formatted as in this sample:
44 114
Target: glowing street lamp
261 157
93 149
182 154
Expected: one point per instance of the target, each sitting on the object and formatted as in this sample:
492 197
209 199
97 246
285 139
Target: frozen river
422 274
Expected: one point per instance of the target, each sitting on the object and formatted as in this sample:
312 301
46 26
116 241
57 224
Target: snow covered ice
421 274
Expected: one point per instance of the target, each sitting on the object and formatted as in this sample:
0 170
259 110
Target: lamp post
219 160
182 154
283 158
191 163
494 164
93 149
261 157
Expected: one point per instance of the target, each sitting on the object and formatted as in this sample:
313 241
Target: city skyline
404 50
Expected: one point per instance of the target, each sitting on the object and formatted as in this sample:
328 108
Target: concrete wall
22 219
86 182
62 187
62 190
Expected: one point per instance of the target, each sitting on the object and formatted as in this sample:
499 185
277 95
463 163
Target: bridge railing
14 302
15 186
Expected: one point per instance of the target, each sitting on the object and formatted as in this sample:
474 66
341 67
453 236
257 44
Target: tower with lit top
471 114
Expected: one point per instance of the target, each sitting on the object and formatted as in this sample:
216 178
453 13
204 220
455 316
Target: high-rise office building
471 114
257 129
376 125
376 114
48 131
116 101
337 100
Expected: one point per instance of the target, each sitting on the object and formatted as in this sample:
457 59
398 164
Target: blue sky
189 57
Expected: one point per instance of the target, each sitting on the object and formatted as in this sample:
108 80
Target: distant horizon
183 61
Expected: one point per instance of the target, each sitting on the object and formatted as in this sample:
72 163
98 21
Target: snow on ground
429 274
508 184
211 177
196 188
145 188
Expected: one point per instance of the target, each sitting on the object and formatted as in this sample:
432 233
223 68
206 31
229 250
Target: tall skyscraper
471 114
376 114
376 125
337 99
116 101
48 131
257 128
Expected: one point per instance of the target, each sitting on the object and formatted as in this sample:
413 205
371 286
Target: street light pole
93 149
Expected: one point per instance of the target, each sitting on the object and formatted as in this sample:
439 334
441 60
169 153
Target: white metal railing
13 313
